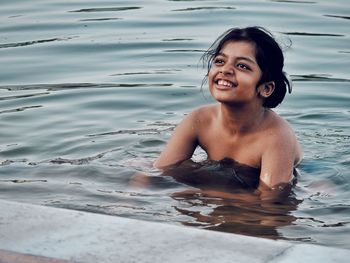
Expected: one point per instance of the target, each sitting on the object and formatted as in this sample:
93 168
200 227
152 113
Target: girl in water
246 78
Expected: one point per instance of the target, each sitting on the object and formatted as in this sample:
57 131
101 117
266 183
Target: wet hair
268 54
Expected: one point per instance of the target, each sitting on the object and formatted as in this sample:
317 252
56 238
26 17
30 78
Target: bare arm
182 143
278 161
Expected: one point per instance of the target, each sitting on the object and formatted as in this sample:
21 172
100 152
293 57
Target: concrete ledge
14 257
86 237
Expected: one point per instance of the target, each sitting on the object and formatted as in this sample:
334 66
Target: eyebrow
239 58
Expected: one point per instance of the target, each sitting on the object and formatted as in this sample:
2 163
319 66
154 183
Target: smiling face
234 74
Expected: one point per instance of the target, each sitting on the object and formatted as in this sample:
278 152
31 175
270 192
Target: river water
91 90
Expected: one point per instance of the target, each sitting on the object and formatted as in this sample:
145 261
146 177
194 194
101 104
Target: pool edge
48 233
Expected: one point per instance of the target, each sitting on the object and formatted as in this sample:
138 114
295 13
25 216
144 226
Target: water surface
90 92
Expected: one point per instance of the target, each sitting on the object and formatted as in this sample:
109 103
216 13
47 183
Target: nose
227 69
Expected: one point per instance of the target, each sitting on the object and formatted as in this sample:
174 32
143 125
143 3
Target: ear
266 89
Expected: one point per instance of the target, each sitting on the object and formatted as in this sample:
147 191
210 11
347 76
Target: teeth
225 83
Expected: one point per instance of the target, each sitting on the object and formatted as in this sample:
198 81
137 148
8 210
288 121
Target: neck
242 119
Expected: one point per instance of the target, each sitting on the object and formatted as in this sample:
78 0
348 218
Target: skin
238 126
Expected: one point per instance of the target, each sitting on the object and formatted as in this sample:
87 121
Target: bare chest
245 149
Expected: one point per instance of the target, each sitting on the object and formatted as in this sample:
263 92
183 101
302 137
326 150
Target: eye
243 66
218 61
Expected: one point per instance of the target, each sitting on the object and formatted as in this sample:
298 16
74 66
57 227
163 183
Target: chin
220 97
224 100
229 101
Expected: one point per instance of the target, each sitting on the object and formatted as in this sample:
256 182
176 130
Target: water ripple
318 77
29 43
147 131
100 19
155 72
23 181
342 17
20 109
177 39
185 50
79 161
312 34
23 96
294 2
65 86
205 8
107 9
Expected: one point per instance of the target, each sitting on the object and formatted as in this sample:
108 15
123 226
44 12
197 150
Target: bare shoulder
194 122
205 111
281 135
279 125
203 115
185 138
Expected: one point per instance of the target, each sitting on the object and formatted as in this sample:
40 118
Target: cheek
211 75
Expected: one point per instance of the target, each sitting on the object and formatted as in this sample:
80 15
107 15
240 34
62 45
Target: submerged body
240 126
224 175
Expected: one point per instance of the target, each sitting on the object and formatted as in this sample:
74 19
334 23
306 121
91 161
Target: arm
277 163
182 143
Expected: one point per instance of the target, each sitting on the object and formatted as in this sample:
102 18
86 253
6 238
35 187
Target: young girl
246 78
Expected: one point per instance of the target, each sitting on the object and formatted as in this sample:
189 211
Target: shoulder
203 115
206 110
278 126
280 135
195 121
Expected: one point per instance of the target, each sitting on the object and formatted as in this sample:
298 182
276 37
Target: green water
91 90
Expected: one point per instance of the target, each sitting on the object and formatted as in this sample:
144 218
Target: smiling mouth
224 83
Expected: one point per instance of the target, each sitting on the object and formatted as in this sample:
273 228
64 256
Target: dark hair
269 57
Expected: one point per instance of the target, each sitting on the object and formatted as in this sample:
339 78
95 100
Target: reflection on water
225 198
90 92
241 213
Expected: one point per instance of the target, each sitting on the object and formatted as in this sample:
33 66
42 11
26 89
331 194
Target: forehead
239 49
